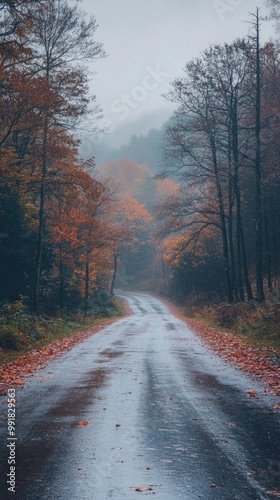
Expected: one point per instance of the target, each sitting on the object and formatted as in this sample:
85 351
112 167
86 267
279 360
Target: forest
60 227
223 146
190 211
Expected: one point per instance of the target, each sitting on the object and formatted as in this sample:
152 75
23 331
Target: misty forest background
190 211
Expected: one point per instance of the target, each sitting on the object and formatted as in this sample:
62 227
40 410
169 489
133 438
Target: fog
148 44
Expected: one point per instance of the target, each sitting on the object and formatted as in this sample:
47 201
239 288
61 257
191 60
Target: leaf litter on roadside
15 372
253 360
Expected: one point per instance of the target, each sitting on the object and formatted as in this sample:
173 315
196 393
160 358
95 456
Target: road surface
166 417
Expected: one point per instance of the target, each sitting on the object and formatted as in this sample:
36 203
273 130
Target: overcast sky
148 43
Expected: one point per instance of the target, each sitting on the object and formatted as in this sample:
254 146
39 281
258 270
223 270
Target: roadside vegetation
245 335
21 331
257 323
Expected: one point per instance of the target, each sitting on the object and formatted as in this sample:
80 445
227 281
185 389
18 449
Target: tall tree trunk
267 247
87 288
61 279
164 275
41 228
226 259
259 244
114 274
241 247
239 261
244 254
230 220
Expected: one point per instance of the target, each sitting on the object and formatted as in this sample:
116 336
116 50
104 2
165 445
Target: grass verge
21 332
257 324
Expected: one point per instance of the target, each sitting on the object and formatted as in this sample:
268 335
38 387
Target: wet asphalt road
163 413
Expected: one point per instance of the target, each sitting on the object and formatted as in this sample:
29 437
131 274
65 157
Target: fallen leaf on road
213 485
142 488
18 382
251 394
83 422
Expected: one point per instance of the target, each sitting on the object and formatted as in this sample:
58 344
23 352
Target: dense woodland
142 149
191 210
223 146
60 228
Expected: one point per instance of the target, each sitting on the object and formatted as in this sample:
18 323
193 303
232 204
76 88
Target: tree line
221 231
60 227
64 229
45 189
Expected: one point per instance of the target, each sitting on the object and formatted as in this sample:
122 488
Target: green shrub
243 328
11 339
19 329
103 298
34 333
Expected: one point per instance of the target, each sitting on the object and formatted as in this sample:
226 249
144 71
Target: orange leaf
251 394
18 382
143 488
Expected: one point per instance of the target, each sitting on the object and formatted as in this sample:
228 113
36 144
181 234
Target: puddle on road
109 353
118 343
206 380
170 326
80 396
187 444
36 452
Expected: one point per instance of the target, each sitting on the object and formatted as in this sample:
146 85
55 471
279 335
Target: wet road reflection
163 416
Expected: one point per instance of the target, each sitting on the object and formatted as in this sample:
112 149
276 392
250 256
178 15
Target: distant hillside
143 149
